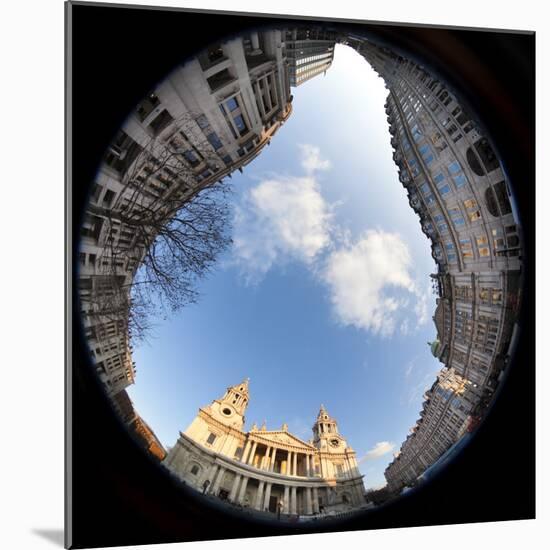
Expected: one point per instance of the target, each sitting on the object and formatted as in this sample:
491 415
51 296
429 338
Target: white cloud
280 219
421 306
380 449
311 159
359 276
286 218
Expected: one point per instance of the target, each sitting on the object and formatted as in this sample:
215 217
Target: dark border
116 495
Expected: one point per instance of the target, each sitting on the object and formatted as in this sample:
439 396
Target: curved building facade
267 470
458 188
211 116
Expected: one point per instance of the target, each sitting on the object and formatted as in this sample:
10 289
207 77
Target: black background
119 495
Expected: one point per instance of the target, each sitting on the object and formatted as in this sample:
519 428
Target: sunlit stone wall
456 185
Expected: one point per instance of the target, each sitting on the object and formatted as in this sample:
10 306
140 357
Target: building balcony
213 61
220 79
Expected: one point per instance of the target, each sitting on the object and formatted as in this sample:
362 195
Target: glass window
473 211
214 140
428 159
498 239
454 167
202 121
466 248
482 242
456 216
190 156
474 215
443 227
439 217
425 188
459 180
240 123
232 104
430 199
211 438
438 178
227 159
444 190
204 174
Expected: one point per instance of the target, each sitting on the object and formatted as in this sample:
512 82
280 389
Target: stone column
211 476
308 466
233 492
265 80
267 495
260 99
295 465
233 125
218 481
289 463
254 38
293 500
286 500
315 500
246 450
267 458
309 510
258 499
252 453
349 471
274 94
273 455
242 492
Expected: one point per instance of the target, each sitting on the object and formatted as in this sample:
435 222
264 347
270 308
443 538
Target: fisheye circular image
300 274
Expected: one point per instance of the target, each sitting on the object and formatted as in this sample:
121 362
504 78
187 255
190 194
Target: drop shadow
52 535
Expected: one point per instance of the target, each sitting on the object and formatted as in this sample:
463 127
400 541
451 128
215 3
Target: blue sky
324 297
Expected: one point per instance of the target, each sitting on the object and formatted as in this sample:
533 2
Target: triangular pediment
282 437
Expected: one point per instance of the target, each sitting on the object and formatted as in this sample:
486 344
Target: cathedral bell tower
325 433
230 408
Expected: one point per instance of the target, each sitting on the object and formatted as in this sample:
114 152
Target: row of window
322 56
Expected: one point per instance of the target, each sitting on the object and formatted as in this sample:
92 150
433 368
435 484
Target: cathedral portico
267 470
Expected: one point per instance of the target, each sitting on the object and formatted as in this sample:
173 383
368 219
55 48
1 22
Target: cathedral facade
268 470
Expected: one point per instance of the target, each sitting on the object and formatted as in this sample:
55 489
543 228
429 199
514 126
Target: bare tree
166 228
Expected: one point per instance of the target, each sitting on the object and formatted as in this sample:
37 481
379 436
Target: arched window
474 162
496 200
491 202
195 469
488 158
